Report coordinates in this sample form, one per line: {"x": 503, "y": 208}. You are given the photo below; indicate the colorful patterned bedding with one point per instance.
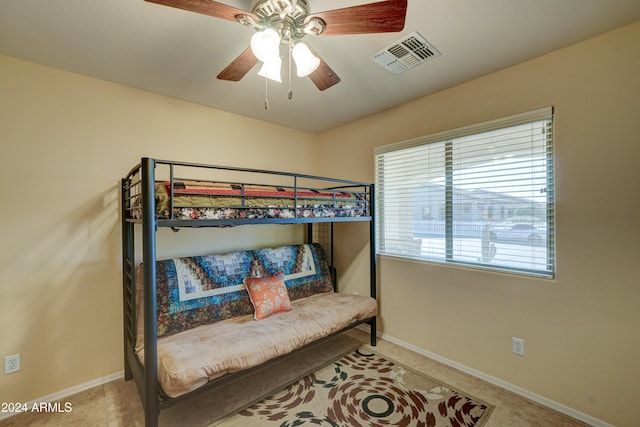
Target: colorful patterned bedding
{"x": 193, "y": 291}
{"x": 214, "y": 200}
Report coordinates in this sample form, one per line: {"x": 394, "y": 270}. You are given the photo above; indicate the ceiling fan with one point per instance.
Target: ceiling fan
{"x": 287, "y": 22}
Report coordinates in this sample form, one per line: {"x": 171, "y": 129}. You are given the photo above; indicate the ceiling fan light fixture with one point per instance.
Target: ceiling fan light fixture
{"x": 306, "y": 61}
{"x": 265, "y": 45}
{"x": 288, "y": 21}
{"x": 272, "y": 69}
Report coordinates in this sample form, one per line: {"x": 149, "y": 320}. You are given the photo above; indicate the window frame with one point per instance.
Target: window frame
{"x": 541, "y": 114}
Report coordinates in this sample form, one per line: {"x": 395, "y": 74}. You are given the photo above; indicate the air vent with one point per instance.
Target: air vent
{"x": 405, "y": 53}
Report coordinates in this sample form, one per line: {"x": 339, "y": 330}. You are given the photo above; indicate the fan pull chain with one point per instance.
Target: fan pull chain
{"x": 266, "y": 93}
{"x": 290, "y": 90}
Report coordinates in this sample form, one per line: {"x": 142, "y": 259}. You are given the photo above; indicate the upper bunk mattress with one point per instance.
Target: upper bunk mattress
{"x": 214, "y": 200}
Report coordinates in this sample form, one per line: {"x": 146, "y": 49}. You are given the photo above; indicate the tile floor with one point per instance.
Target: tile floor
{"x": 117, "y": 403}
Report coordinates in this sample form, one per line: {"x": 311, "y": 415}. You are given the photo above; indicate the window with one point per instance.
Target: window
{"x": 480, "y": 196}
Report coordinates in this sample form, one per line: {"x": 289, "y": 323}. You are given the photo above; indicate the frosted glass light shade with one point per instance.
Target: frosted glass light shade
{"x": 271, "y": 69}
{"x": 306, "y": 62}
{"x": 265, "y": 45}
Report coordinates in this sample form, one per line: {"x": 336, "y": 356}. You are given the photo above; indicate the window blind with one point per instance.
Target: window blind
{"x": 480, "y": 196}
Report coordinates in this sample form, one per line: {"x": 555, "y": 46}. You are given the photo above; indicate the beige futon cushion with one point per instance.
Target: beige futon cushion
{"x": 191, "y": 358}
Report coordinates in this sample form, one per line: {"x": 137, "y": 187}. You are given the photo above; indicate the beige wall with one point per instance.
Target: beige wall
{"x": 581, "y": 330}
{"x": 65, "y": 142}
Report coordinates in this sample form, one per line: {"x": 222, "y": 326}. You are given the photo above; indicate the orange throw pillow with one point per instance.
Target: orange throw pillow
{"x": 268, "y": 295}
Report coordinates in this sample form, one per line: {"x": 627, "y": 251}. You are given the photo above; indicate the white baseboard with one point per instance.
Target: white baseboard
{"x": 495, "y": 381}
{"x": 61, "y": 395}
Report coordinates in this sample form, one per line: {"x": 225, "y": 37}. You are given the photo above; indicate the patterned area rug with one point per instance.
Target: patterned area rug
{"x": 365, "y": 389}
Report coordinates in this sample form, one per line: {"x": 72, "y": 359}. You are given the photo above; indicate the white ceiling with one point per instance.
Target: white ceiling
{"x": 179, "y": 53}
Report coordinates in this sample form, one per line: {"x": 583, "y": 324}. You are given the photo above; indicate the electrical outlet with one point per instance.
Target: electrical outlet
{"x": 517, "y": 346}
{"x": 12, "y": 363}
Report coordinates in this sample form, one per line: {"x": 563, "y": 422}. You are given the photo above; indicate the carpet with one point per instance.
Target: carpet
{"x": 363, "y": 388}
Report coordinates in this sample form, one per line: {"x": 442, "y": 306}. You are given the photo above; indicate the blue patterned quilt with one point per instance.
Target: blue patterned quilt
{"x": 193, "y": 291}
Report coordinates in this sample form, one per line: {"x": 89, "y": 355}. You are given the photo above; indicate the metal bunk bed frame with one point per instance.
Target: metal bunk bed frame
{"x": 143, "y": 176}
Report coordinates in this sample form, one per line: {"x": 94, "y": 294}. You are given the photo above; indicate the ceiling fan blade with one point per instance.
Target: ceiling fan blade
{"x": 323, "y": 77}
{"x": 206, "y": 7}
{"x": 239, "y": 66}
{"x": 382, "y": 17}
